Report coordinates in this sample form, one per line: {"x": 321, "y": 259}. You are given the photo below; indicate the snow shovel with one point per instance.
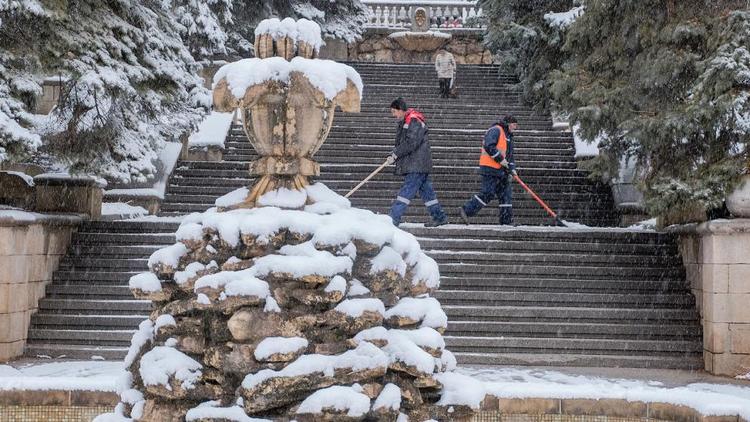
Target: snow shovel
{"x": 539, "y": 200}
{"x": 367, "y": 179}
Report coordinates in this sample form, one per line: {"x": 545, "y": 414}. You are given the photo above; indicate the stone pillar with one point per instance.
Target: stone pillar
{"x": 717, "y": 257}
{"x": 69, "y": 194}
{"x": 30, "y": 251}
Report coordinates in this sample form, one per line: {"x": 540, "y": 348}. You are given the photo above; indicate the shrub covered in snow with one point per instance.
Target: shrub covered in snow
{"x": 129, "y": 72}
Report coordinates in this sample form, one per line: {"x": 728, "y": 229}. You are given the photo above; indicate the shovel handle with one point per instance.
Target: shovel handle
{"x": 367, "y": 179}
{"x": 537, "y": 198}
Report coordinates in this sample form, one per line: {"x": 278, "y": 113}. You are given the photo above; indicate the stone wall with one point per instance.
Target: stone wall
{"x": 375, "y": 46}
{"x": 30, "y": 250}
{"x": 717, "y": 258}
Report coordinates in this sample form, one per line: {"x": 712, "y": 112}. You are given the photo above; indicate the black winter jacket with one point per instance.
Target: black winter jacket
{"x": 412, "y": 149}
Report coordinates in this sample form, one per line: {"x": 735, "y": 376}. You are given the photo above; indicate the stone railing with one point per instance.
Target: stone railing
{"x": 443, "y": 14}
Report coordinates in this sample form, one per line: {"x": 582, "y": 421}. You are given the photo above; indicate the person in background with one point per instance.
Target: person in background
{"x": 497, "y": 167}
{"x": 413, "y": 160}
{"x": 445, "y": 66}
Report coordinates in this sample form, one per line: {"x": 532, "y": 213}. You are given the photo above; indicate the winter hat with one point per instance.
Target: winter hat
{"x": 399, "y": 104}
{"x": 509, "y": 118}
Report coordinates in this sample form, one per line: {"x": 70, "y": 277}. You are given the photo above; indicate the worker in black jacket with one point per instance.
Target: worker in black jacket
{"x": 413, "y": 161}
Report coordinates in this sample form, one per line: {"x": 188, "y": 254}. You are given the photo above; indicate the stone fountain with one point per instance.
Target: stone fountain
{"x": 287, "y": 100}
{"x": 420, "y": 38}
{"x": 286, "y": 303}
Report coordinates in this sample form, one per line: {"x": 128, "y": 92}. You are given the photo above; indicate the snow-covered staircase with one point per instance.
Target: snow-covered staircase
{"x": 541, "y": 296}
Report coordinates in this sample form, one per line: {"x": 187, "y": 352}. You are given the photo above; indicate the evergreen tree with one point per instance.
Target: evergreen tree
{"x": 528, "y": 43}
{"x": 669, "y": 88}
{"x": 130, "y": 72}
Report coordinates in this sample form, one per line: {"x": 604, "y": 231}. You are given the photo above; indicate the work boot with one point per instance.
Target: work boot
{"x": 463, "y": 215}
{"x": 437, "y": 223}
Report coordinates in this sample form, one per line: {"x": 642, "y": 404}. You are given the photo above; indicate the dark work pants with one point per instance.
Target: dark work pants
{"x": 445, "y": 87}
{"x": 413, "y": 183}
{"x": 495, "y": 186}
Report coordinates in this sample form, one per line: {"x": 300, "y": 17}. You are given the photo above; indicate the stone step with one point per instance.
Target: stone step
{"x": 447, "y": 199}
{"x": 500, "y": 245}
{"x": 94, "y": 305}
{"x": 532, "y": 177}
{"x": 91, "y": 276}
{"x": 569, "y": 345}
{"x": 570, "y": 314}
{"x": 534, "y": 256}
{"x": 683, "y": 361}
{"x": 604, "y": 300}
{"x": 530, "y": 283}
{"x": 549, "y": 191}
{"x": 83, "y": 250}
{"x": 102, "y": 322}
{"x": 512, "y": 328}
{"x": 492, "y": 232}
{"x": 559, "y": 270}
{"x": 121, "y": 292}
{"x": 417, "y": 214}
{"x": 98, "y": 337}
{"x": 132, "y": 264}
{"x": 140, "y": 227}
{"x": 123, "y": 238}
{"x": 74, "y": 351}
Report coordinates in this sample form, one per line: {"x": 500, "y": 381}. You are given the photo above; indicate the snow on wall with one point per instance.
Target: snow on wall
{"x": 585, "y": 148}
{"x": 212, "y": 131}
{"x": 563, "y": 20}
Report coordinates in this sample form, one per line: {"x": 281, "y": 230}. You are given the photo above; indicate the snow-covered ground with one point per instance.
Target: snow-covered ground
{"x": 465, "y": 386}
{"x": 122, "y": 210}
{"x": 80, "y": 375}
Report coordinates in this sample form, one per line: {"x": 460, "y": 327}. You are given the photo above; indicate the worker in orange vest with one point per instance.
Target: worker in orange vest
{"x": 496, "y": 166}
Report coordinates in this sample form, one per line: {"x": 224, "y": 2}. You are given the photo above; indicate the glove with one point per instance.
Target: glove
{"x": 504, "y": 163}
{"x": 514, "y": 173}
{"x": 390, "y": 159}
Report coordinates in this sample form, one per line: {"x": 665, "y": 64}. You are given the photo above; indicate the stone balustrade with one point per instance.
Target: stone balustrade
{"x": 443, "y": 14}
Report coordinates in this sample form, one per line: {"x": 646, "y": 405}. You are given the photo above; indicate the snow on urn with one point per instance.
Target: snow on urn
{"x": 287, "y": 100}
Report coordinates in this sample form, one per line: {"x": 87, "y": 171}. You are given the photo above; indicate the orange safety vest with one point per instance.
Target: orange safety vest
{"x": 502, "y": 146}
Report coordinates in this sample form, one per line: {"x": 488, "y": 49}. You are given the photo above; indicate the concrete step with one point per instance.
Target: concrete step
{"x": 123, "y": 238}
{"x": 499, "y": 245}
{"x": 107, "y": 292}
{"x": 685, "y": 361}
{"x": 132, "y": 264}
{"x": 510, "y": 328}
{"x": 91, "y": 276}
{"x": 572, "y": 270}
{"x": 101, "y": 322}
{"x": 91, "y": 306}
{"x": 88, "y": 250}
{"x": 531, "y": 257}
{"x": 494, "y": 232}
{"x": 98, "y": 337}
{"x": 602, "y": 300}
{"x": 570, "y": 314}
{"x": 569, "y": 345}
{"x": 528, "y": 283}
{"x": 74, "y": 351}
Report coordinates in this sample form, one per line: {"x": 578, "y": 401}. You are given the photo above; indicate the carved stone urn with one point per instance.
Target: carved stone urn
{"x": 287, "y": 99}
